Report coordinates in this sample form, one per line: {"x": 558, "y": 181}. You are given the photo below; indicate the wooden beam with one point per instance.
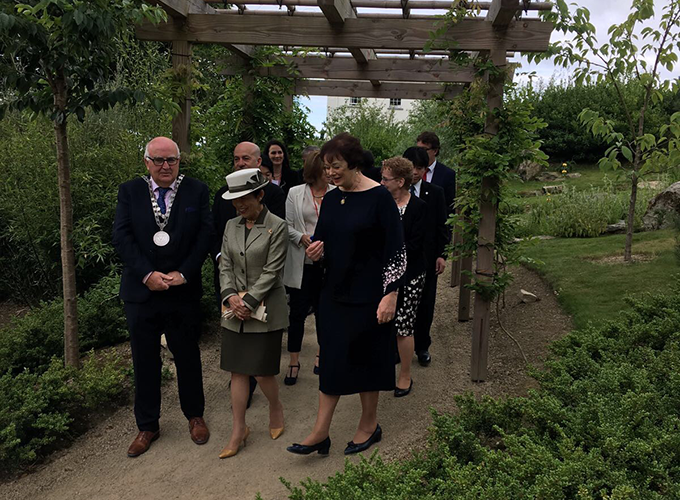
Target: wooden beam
{"x": 245, "y": 52}
{"x": 470, "y": 34}
{"x": 337, "y": 12}
{"x": 366, "y": 89}
{"x": 502, "y": 12}
{"x": 180, "y": 9}
{"x": 409, "y": 70}
{"x": 390, "y": 4}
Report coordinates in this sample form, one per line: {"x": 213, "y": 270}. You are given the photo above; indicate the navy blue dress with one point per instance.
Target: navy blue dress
{"x": 364, "y": 259}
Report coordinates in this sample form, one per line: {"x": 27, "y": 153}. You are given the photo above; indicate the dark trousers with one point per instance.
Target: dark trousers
{"x": 301, "y": 299}
{"x": 421, "y": 336}
{"x": 181, "y": 323}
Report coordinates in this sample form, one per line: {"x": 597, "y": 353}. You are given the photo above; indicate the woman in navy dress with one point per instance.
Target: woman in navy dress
{"x": 359, "y": 240}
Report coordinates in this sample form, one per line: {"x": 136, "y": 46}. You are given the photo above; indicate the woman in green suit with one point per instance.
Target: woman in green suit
{"x": 255, "y": 312}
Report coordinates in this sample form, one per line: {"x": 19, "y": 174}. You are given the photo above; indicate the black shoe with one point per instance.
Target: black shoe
{"x": 302, "y": 449}
{"x": 424, "y": 358}
{"x": 400, "y": 393}
{"x": 253, "y": 386}
{"x": 353, "y": 447}
{"x": 289, "y": 379}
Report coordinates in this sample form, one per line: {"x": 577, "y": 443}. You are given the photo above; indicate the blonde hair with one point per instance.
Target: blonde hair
{"x": 401, "y": 168}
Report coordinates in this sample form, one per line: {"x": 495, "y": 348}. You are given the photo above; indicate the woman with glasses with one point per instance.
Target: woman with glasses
{"x": 282, "y": 175}
{"x": 397, "y": 174}
{"x": 303, "y": 277}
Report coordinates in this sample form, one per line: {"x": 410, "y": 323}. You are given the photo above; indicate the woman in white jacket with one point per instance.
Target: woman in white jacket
{"x": 303, "y": 277}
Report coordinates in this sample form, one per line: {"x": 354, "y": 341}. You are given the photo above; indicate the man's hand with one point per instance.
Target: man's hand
{"x": 158, "y": 282}
{"x": 175, "y": 279}
{"x": 387, "y": 308}
{"x": 315, "y": 251}
{"x": 306, "y": 240}
{"x": 237, "y": 305}
{"x": 440, "y": 265}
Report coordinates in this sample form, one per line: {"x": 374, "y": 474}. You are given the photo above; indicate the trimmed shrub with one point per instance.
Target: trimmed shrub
{"x": 39, "y": 410}
{"x": 604, "y": 424}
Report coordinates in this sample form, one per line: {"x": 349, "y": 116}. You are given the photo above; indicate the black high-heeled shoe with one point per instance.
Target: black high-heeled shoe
{"x": 322, "y": 447}
{"x": 289, "y": 379}
{"x": 353, "y": 447}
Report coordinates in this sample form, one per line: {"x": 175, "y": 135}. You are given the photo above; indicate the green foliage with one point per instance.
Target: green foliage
{"x": 375, "y": 125}
{"x": 581, "y": 213}
{"x": 30, "y": 342}
{"x": 38, "y": 410}
{"x": 603, "y": 425}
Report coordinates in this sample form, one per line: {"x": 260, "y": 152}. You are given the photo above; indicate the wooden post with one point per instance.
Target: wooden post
{"x": 181, "y": 62}
{"x": 248, "y": 115}
{"x": 455, "y": 256}
{"x": 464, "y": 292}
{"x": 288, "y": 103}
{"x": 486, "y": 235}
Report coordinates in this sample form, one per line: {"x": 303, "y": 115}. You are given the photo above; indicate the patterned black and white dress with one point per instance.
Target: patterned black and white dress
{"x": 413, "y": 219}
{"x": 364, "y": 259}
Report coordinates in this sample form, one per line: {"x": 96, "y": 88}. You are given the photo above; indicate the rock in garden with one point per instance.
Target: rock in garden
{"x": 553, "y": 189}
{"x": 527, "y": 297}
{"x": 573, "y": 175}
{"x": 548, "y": 177}
{"x": 528, "y": 170}
{"x": 618, "y": 227}
{"x": 663, "y": 210}
{"x": 650, "y": 185}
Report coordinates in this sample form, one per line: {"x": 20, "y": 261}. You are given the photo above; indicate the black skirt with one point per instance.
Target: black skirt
{"x": 257, "y": 354}
{"x": 356, "y": 353}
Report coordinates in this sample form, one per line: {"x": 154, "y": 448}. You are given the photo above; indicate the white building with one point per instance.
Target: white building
{"x": 401, "y": 107}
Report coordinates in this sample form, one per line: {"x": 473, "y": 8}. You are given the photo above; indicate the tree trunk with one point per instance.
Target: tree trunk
{"x": 68, "y": 258}
{"x": 628, "y": 251}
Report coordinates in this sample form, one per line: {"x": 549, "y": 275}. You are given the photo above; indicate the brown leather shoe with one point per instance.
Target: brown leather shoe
{"x": 142, "y": 443}
{"x": 199, "y": 431}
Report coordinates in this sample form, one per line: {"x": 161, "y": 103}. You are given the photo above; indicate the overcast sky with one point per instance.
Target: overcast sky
{"x": 604, "y": 13}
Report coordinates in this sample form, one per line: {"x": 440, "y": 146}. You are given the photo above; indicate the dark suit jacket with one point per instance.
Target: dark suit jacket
{"x": 414, "y": 222}
{"x": 445, "y": 178}
{"x": 437, "y": 234}
{"x": 191, "y": 234}
{"x": 223, "y": 211}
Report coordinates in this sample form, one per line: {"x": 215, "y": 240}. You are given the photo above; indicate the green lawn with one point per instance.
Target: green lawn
{"x": 592, "y": 291}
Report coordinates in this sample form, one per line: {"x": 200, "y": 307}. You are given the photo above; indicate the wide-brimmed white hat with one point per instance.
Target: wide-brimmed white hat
{"x": 243, "y": 182}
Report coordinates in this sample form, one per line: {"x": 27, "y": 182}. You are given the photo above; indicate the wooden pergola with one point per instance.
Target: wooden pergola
{"x": 369, "y": 48}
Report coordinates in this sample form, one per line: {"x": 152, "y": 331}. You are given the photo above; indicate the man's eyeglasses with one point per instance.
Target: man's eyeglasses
{"x": 158, "y": 161}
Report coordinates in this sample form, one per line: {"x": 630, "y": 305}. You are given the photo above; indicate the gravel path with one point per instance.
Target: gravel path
{"x": 96, "y": 465}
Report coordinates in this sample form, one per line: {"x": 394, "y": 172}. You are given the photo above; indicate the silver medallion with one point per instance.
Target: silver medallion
{"x": 161, "y": 238}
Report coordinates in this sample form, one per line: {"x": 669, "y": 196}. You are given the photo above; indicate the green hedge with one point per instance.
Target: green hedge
{"x": 39, "y": 410}
{"x": 604, "y": 424}
{"x": 30, "y": 342}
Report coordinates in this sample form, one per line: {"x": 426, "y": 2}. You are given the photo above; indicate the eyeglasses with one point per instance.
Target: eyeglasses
{"x": 158, "y": 161}
{"x": 387, "y": 179}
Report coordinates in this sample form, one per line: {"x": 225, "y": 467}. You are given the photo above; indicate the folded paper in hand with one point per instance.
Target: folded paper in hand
{"x": 260, "y": 313}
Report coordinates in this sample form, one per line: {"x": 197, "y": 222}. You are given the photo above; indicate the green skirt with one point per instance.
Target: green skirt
{"x": 257, "y": 354}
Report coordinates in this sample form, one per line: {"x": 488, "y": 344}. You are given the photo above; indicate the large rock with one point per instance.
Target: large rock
{"x": 663, "y": 210}
{"x": 549, "y": 177}
{"x": 553, "y": 189}
{"x": 616, "y": 228}
{"x": 528, "y": 170}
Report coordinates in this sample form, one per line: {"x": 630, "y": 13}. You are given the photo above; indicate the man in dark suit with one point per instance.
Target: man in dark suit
{"x": 437, "y": 173}
{"x": 162, "y": 233}
{"x": 437, "y": 237}
{"x": 246, "y": 155}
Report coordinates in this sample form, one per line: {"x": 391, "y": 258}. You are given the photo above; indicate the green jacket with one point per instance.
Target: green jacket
{"x": 255, "y": 267}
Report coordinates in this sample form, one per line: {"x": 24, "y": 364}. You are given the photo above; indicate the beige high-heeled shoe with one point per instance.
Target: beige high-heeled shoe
{"x": 228, "y": 452}
{"x": 276, "y": 433}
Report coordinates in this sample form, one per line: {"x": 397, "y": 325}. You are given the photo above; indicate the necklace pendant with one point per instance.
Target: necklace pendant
{"x": 342, "y": 201}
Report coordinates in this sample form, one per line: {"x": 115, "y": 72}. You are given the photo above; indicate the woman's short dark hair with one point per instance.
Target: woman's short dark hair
{"x": 418, "y": 156}
{"x": 274, "y": 142}
{"x": 346, "y": 147}
{"x": 313, "y": 168}
{"x": 401, "y": 168}
{"x": 267, "y": 164}
{"x": 431, "y": 139}
{"x": 369, "y": 160}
